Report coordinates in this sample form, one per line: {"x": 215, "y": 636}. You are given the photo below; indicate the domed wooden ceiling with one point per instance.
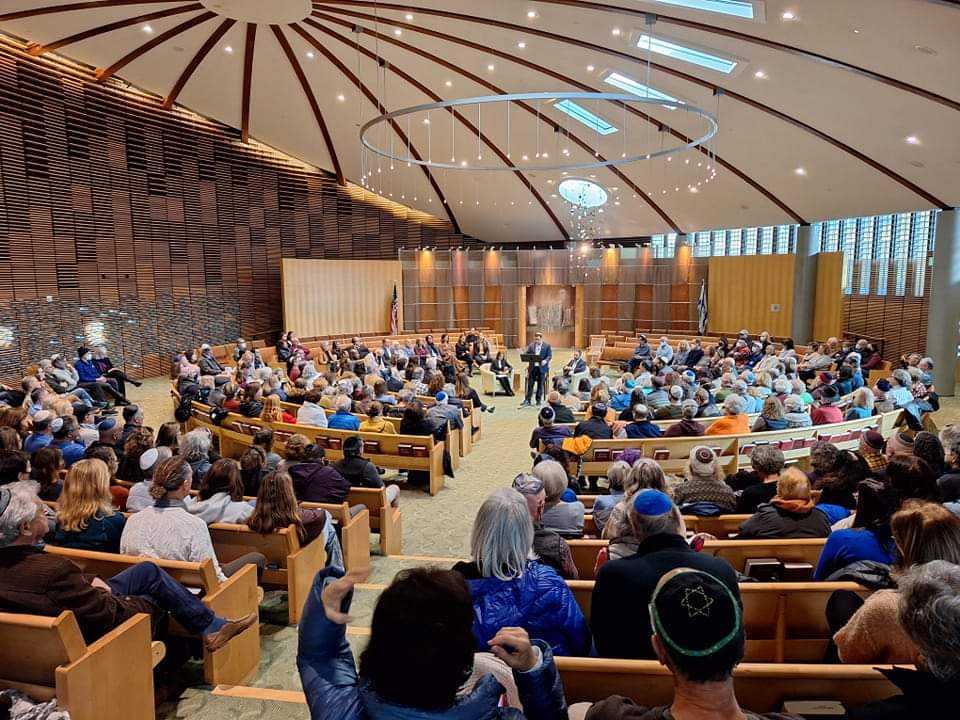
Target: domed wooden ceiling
{"x": 830, "y": 109}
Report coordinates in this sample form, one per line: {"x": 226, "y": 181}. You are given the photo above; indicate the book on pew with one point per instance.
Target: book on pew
{"x": 815, "y": 709}
{"x": 420, "y": 451}
{"x": 763, "y": 569}
{"x": 371, "y": 446}
{"x": 661, "y": 454}
{"x": 797, "y": 572}
{"x": 615, "y": 454}
{"x": 405, "y": 449}
{"x": 334, "y": 443}
{"x": 601, "y": 454}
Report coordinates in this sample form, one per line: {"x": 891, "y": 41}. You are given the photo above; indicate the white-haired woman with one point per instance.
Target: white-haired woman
{"x": 564, "y": 518}
{"x": 796, "y": 412}
{"x": 861, "y": 406}
{"x": 602, "y": 507}
{"x": 646, "y": 474}
{"x": 195, "y": 449}
{"x": 511, "y": 588}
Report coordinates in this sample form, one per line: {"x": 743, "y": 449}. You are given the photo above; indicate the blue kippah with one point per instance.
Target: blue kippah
{"x": 107, "y": 424}
{"x": 652, "y": 502}
{"x": 569, "y": 496}
{"x": 440, "y": 396}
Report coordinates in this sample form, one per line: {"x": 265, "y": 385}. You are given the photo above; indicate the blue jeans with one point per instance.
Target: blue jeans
{"x": 147, "y": 580}
{"x": 82, "y": 395}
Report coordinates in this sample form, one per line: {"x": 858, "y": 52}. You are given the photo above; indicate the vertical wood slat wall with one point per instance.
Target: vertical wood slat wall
{"x": 156, "y": 230}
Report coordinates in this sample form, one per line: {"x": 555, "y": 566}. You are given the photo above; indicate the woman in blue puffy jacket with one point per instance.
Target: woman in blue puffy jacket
{"x": 510, "y": 588}
{"x": 420, "y": 654}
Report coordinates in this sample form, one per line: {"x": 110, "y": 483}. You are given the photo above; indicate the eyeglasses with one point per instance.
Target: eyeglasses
{"x": 527, "y": 484}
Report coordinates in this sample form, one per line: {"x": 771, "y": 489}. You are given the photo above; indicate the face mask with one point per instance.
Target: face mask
{"x": 87, "y": 357}
{"x": 243, "y": 346}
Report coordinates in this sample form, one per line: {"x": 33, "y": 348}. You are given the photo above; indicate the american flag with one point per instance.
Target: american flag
{"x": 394, "y": 312}
{"x": 702, "y": 307}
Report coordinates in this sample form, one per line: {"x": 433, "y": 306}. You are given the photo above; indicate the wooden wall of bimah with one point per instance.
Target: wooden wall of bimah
{"x": 152, "y": 230}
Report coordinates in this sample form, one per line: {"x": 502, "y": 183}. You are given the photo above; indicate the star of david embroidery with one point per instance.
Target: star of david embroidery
{"x": 696, "y": 602}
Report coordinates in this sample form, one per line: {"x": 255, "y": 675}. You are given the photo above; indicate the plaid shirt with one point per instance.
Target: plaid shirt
{"x": 875, "y": 461}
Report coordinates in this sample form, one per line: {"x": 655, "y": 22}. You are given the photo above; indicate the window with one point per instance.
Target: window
{"x": 884, "y": 234}
{"x": 901, "y": 242}
{"x": 848, "y": 239}
{"x": 918, "y": 251}
{"x": 630, "y": 85}
{"x": 702, "y": 58}
{"x": 736, "y": 8}
{"x": 581, "y": 114}
{"x": 865, "y": 241}
{"x": 766, "y": 241}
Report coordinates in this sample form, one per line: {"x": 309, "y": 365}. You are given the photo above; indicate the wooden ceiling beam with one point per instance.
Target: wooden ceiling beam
{"x": 196, "y": 60}
{"x": 106, "y": 73}
{"x": 312, "y": 99}
{"x": 713, "y": 87}
{"x": 471, "y": 128}
{"x": 69, "y": 7}
{"x": 246, "y": 90}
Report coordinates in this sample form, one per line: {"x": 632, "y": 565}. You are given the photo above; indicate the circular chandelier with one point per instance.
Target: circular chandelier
{"x": 607, "y": 144}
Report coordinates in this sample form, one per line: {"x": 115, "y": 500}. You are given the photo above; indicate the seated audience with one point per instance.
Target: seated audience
{"x": 45, "y": 466}
{"x": 871, "y": 449}
{"x": 195, "y": 449}
{"x": 511, "y": 590}
{"x": 168, "y": 436}
{"x": 630, "y": 582}
{"x": 65, "y": 439}
{"x": 311, "y": 412}
{"x": 41, "y": 435}
{"x": 565, "y": 518}
{"x": 687, "y": 426}
{"x": 263, "y": 439}
{"x": 868, "y": 539}
{"x": 252, "y": 403}
{"x": 771, "y": 416}
{"x": 140, "y": 497}
{"x": 41, "y": 583}
{"x": 376, "y": 422}
{"x": 314, "y": 479}
{"x": 791, "y": 513}
{"x": 642, "y": 427}
{"x": 167, "y": 530}
{"x": 911, "y": 478}
{"x": 358, "y": 471}
{"x": 564, "y": 412}
{"x": 766, "y": 462}
{"x": 86, "y": 418}
{"x": 220, "y": 499}
{"x": 552, "y": 549}
{"x": 595, "y": 427}
{"x": 86, "y": 518}
{"x": 949, "y": 482}
{"x": 547, "y": 431}
{"x": 704, "y": 489}
{"x": 733, "y": 422}
{"x": 343, "y": 418}
{"x": 604, "y": 504}
{"x": 273, "y": 411}
{"x": 276, "y": 508}
{"x": 672, "y": 410}
{"x": 421, "y": 628}
{"x": 645, "y": 474}
{"x": 826, "y": 412}
{"x": 928, "y": 613}
{"x": 796, "y": 413}
{"x": 137, "y": 443}
{"x": 861, "y": 405}
{"x": 923, "y": 532}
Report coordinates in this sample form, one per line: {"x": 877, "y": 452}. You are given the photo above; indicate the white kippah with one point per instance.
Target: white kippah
{"x": 56, "y": 424}
{"x": 148, "y": 459}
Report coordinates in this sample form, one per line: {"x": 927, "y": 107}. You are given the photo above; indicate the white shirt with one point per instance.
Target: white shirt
{"x": 311, "y": 414}
{"x": 169, "y": 533}
{"x": 140, "y": 497}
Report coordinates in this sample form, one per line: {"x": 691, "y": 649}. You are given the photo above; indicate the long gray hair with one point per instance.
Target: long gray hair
{"x": 502, "y": 539}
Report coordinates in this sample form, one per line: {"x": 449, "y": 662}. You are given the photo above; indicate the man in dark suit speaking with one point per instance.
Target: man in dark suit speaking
{"x": 537, "y": 372}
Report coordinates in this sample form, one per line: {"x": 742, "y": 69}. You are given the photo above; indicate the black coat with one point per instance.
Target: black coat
{"x": 562, "y": 414}
{"x": 317, "y": 482}
{"x": 618, "y": 611}
{"x": 594, "y": 428}
{"x": 771, "y": 521}
{"x": 924, "y": 696}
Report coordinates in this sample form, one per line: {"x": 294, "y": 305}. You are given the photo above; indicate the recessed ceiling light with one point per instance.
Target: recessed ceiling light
{"x": 521, "y": 45}
{"x": 310, "y": 54}
{"x": 449, "y": 83}
{"x": 463, "y": 163}
{"x": 228, "y": 49}
{"x": 912, "y": 140}
{"x": 490, "y": 68}
{"x": 800, "y": 171}
{"x": 398, "y": 32}
{"x": 531, "y": 14}
{"x": 147, "y": 29}
{"x": 549, "y": 182}
{"x": 525, "y": 157}
{"x": 590, "y": 68}
{"x": 788, "y": 15}
{"x": 426, "y": 121}
{"x": 760, "y": 75}
{"x": 856, "y": 31}
{"x": 341, "y": 97}
{"x": 616, "y": 31}
{"x": 408, "y": 16}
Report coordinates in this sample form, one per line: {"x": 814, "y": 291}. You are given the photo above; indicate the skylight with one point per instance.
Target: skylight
{"x": 680, "y": 52}
{"x": 581, "y": 114}
{"x": 630, "y": 85}
{"x": 737, "y": 8}
{"x": 582, "y": 193}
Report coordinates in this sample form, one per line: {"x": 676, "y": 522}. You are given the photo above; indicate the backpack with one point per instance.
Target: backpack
{"x": 184, "y": 409}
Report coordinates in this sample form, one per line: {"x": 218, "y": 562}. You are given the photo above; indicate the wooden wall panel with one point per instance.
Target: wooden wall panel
{"x": 326, "y": 297}
{"x": 610, "y": 308}
{"x": 828, "y": 303}
{"x": 156, "y": 230}
{"x": 644, "y": 306}
{"x": 741, "y": 291}
{"x": 491, "y": 308}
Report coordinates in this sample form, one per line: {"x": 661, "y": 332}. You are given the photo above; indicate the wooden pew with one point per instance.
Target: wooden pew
{"x": 109, "y": 679}
{"x": 720, "y": 526}
{"x": 759, "y": 687}
{"x": 784, "y": 622}
{"x": 736, "y": 552}
{"x": 384, "y": 518}
{"x": 354, "y": 533}
{"x": 291, "y": 565}
{"x": 235, "y": 598}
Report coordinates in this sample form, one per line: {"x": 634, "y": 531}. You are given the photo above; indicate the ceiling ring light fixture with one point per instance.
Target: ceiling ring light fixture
{"x": 569, "y": 103}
